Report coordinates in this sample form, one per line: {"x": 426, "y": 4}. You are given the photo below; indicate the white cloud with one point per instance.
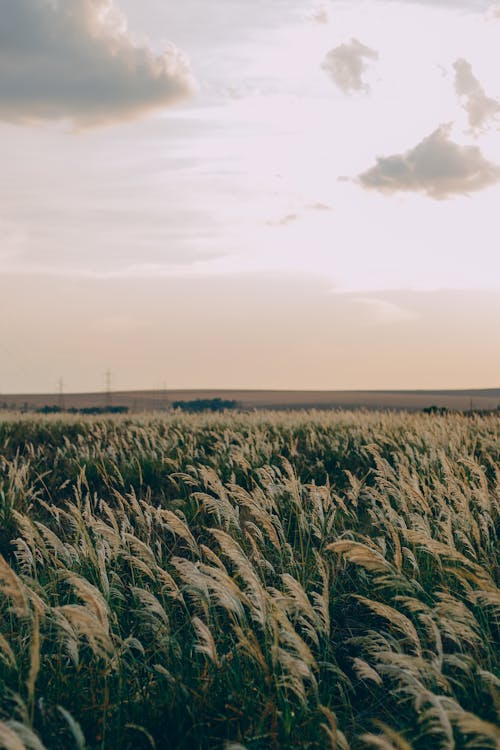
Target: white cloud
{"x": 346, "y": 64}
{"x": 385, "y": 312}
{"x": 437, "y": 166}
{"x": 76, "y": 60}
{"x": 479, "y": 107}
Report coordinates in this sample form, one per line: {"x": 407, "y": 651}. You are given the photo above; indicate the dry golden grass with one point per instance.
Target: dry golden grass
{"x": 250, "y": 581}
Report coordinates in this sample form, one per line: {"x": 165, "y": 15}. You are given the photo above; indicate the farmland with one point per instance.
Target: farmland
{"x": 259, "y": 581}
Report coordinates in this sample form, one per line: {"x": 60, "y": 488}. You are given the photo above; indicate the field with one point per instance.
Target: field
{"x": 137, "y": 401}
{"x": 259, "y": 581}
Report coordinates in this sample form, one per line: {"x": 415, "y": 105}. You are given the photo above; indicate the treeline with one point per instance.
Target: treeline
{"x": 205, "y": 404}
{"x": 442, "y": 410}
{"x": 84, "y": 410}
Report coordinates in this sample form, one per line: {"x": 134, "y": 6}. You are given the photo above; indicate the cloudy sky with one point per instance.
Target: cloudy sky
{"x": 265, "y": 194}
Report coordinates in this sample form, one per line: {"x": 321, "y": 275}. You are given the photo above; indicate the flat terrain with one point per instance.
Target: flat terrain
{"x": 461, "y": 400}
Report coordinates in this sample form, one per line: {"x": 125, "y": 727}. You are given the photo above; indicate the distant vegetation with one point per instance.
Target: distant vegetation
{"x": 436, "y": 410}
{"x": 255, "y": 581}
{"x": 205, "y": 404}
{"x": 95, "y": 410}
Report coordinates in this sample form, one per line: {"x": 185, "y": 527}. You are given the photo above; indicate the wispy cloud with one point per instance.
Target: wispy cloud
{"x": 318, "y": 206}
{"x": 437, "y": 166}
{"x": 284, "y": 221}
{"x": 479, "y": 107}
{"x": 320, "y": 15}
{"x": 76, "y": 60}
{"x": 385, "y": 312}
{"x": 346, "y": 65}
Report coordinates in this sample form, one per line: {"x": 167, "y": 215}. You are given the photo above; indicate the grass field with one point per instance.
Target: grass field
{"x": 259, "y": 581}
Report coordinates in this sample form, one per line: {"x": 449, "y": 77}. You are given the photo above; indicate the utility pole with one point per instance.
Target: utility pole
{"x": 60, "y": 398}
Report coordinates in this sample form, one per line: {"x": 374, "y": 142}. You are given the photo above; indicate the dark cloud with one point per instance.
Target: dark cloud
{"x": 75, "y": 59}
{"x": 346, "y": 64}
{"x": 436, "y": 166}
{"x": 479, "y": 107}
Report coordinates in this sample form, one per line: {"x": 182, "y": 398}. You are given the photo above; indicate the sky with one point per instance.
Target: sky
{"x": 283, "y": 194}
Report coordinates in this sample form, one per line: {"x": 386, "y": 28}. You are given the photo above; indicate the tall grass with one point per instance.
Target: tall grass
{"x": 304, "y": 580}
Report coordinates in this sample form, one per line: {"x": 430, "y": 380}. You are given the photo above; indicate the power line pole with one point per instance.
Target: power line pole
{"x": 60, "y": 398}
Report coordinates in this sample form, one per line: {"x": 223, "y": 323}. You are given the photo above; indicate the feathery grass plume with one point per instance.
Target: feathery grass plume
{"x": 434, "y": 715}
{"x": 411, "y": 670}
{"x": 195, "y": 584}
{"x": 224, "y": 591}
{"x": 177, "y": 527}
{"x": 480, "y": 734}
{"x": 151, "y": 607}
{"x": 139, "y": 566}
{"x": 34, "y": 662}
{"x": 217, "y": 504}
{"x": 432, "y": 629}
{"x": 292, "y": 483}
{"x": 85, "y": 623}
{"x": 322, "y": 599}
{"x": 456, "y": 620}
{"x": 361, "y": 554}
{"x": 9, "y": 739}
{"x": 295, "y": 659}
{"x": 251, "y": 511}
{"x": 25, "y": 558}
{"x": 17, "y": 736}
{"x": 205, "y": 643}
{"x": 335, "y": 737}
{"x": 67, "y": 636}
{"x": 389, "y": 739}
{"x": 295, "y": 675}
{"x": 74, "y": 728}
{"x": 140, "y": 549}
{"x": 486, "y": 599}
{"x": 353, "y": 492}
{"x": 210, "y": 555}
{"x": 365, "y": 672}
{"x": 253, "y": 588}
{"x": 54, "y": 544}
{"x": 400, "y": 621}
{"x": 91, "y": 596}
{"x": 169, "y": 586}
{"x": 14, "y": 589}
{"x": 439, "y": 550}
{"x": 110, "y": 515}
{"x": 299, "y": 598}
{"x": 107, "y": 533}
{"x": 248, "y": 644}
{"x": 6, "y": 653}
{"x": 302, "y": 624}
{"x": 482, "y": 494}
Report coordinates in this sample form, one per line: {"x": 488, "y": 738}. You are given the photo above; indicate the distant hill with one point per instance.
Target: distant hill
{"x": 462, "y": 400}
